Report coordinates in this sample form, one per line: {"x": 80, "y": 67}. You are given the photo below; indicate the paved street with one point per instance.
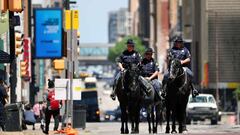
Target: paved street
{"x": 113, "y": 128}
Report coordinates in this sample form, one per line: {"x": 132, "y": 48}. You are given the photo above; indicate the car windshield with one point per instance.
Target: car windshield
{"x": 90, "y": 85}
{"x": 89, "y": 98}
{"x": 211, "y": 100}
{"x": 198, "y": 99}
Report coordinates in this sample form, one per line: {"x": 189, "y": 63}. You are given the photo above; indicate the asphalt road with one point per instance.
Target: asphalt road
{"x": 114, "y": 128}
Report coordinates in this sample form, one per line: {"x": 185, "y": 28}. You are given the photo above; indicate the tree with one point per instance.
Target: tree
{"x": 237, "y": 92}
{"x": 121, "y": 46}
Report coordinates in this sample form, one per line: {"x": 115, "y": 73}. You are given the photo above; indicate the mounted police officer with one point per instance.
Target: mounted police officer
{"x": 150, "y": 71}
{"x": 126, "y": 58}
{"x": 182, "y": 53}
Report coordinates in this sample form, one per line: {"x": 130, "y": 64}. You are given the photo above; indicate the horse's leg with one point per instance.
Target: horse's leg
{"x": 137, "y": 119}
{"x": 157, "y": 117}
{"x": 131, "y": 115}
{"x": 149, "y": 120}
{"x": 126, "y": 124}
{"x": 168, "y": 119}
{"x": 174, "y": 121}
{"x": 123, "y": 117}
{"x": 182, "y": 117}
{"x": 153, "y": 118}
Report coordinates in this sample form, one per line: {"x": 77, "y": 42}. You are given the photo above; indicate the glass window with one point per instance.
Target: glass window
{"x": 198, "y": 99}
{"x": 211, "y": 100}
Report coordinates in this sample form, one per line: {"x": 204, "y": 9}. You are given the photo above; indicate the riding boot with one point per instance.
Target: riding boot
{"x": 194, "y": 91}
{"x": 164, "y": 91}
{"x": 113, "y": 94}
{"x": 147, "y": 86}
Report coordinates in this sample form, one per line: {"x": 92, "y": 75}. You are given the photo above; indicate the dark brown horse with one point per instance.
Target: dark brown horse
{"x": 178, "y": 90}
{"x": 129, "y": 97}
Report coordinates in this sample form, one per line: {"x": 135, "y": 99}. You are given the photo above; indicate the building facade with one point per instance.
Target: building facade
{"x": 118, "y": 25}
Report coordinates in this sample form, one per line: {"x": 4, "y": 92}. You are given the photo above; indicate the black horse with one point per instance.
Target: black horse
{"x": 129, "y": 97}
{"x": 153, "y": 105}
{"x": 178, "y": 90}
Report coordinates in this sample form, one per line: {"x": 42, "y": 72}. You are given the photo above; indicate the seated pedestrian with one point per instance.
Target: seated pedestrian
{"x": 28, "y": 116}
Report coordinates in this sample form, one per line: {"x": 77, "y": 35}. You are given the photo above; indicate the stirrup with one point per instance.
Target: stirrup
{"x": 113, "y": 96}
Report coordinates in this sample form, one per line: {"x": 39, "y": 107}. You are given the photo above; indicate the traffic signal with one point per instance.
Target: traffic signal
{"x": 78, "y": 34}
{"x": 59, "y": 64}
{"x": 18, "y": 43}
{"x": 24, "y": 68}
{"x": 15, "y": 5}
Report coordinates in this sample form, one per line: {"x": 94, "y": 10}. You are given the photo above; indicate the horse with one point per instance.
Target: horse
{"x": 153, "y": 105}
{"x": 129, "y": 96}
{"x": 178, "y": 91}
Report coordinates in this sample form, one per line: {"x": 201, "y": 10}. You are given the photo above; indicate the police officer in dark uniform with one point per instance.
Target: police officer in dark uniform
{"x": 150, "y": 70}
{"x": 128, "y": 56}
{"x": 182, "y": 53}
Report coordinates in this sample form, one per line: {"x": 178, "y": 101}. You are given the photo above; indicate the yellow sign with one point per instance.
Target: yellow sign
{"x": 75, "y": 18}
{"x": 67, "y": 19}
{"x": 233, "y": 85}
{"x": 59, "y": 64}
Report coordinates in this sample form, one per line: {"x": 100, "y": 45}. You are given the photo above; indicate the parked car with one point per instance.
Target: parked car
{"x": 202, "y": 107}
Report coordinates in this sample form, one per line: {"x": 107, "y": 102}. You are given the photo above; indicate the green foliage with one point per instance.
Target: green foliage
{"x": 121, "y": 46}
{"x": 237, "y": 92}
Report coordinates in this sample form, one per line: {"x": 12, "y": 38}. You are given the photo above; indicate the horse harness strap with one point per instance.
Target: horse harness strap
{"x": 185, "y": 82}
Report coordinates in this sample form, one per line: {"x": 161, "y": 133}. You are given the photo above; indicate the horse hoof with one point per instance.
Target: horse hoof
{"x": 174, "y": 132}
{"x": 155, "y": 130}
{"x": 126, "y": 131}
{"x": 167, "y": 132}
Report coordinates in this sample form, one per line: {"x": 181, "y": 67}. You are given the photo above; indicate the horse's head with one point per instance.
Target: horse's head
{"x": 132, "y": 75}
{"x": 175, "y": 68}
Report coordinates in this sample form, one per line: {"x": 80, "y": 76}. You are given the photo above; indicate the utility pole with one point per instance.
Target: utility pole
{"x": 13, "y": 66}
{"x": 69, "y": 105}
{"x": 32, "y": 81}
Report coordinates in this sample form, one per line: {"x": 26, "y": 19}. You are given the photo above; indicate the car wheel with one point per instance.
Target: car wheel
{"x": 214, "y": 121}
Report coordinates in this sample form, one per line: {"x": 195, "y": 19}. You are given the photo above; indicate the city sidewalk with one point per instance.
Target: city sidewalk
{"x": 38, "y": 131}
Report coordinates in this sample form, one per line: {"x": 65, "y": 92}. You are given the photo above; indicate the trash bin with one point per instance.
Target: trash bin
{"x": 79, "y": 116}
{"x": 13, "y": 117}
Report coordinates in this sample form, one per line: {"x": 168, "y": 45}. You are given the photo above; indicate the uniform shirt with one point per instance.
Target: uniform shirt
{"x": 129, "y": 57}
{"x": 148, "y": 67}
{"x": 181, "y": 54}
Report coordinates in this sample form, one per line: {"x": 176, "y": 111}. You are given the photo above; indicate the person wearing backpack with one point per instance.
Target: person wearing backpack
{"x": 52, "y": 109}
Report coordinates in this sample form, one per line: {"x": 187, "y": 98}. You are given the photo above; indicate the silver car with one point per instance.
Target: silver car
{"x": 202, "y": 107}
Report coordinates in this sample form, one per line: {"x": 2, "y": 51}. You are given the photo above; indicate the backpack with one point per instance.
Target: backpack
{"x": 54, "y": 104}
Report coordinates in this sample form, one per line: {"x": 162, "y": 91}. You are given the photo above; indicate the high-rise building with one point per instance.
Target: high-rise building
{"x": 112, "y": 27}
{"x": 214, "y": 47}
{"x": 118, "y": 25}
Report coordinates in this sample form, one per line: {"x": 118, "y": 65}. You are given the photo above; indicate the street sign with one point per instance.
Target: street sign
{"x": 48, "y": 33}
{"x": 67, "y": 19}
{"x": 62, "y": 86}
{"x": 71, "y": 21}
{"x": 75, "y": 19}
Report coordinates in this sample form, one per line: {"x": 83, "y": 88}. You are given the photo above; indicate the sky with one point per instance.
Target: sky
{"x": 94, "y": 18}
